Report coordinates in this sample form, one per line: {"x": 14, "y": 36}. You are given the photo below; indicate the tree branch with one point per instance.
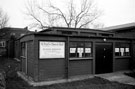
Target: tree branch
{"x": 86, "y": 23}
{"x": 3, "y": 19}
{"x": 73, "y": 18}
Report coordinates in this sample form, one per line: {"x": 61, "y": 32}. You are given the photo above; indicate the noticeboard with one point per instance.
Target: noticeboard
{"x": 48, "y": 49}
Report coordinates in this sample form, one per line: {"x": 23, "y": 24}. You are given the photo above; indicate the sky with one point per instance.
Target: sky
{"x": 115, "y": 12}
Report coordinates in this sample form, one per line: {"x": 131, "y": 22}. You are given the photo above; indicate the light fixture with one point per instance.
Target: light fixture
{"x": 104, "y": 39}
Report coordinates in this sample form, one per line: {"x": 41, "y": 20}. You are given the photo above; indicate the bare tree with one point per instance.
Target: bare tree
{"x": 73, "y": 16}
{"x": 3, "y": 19}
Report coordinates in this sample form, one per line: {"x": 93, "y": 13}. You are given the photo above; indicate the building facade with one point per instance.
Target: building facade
{"x": 61, "y": 53}
{"x": 125, "y": 31}
{"x": 7, "y": 40}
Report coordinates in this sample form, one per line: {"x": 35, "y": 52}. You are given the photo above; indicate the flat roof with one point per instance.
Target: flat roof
{"x": 78, "y": 36}
{"x": 74, "y": 29}
{"x": 43, "y": 32}
{"x": 120, "y": 27}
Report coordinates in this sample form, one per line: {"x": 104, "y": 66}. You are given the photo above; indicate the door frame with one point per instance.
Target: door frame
{"x": 26, "y": 59}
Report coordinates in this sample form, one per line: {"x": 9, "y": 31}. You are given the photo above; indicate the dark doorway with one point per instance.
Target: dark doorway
{"x": 104, "y": 58}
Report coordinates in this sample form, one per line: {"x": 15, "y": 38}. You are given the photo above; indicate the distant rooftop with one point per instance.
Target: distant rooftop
{"x": 120, "y": 27}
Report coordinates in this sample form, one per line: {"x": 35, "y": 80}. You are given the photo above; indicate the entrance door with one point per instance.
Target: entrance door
{"x": 104, "y": 58}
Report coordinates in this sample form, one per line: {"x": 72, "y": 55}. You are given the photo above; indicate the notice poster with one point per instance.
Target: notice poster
{"x": 122, "y": 51}
{"x": 72, "y": 50}
{"x": 49, "y": 49}
{"x": 117, "y": 50}
{"x": 87, "y": 50}
{"x": 127, "y": 50}
{"x": 80, "y": 51}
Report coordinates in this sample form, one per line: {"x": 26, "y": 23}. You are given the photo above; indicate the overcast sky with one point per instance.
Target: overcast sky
{"x": 116, "y": 12}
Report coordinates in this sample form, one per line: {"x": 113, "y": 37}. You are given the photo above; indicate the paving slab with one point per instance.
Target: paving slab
{"x": 118, "y": 77}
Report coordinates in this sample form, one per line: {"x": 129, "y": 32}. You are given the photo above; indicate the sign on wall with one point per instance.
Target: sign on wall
{"x": 116, "y": 49}
{"x": 127, "y": 49}
{"x": 122, "y": 51}
{"x": 87, "y": 50}
{"x": 80, "y": 51}
{"x": 49, "y": 49}
{"x": 72, "y": 50}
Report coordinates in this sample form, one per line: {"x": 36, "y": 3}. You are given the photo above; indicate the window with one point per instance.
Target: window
{"x": 80, "y": 49}
{"x": 23, "y": 49}
{"x": 2, "y": 44}
{"x": 66, "y": 32}
{"x": 107, "y": 35}
{"x": 12, "y": 34}
{"x": 122, "y": 49}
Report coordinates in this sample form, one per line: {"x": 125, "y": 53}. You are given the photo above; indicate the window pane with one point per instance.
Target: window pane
{"x": 80, "y": 49}
{"x": 72, "y": 49}
{"x": 122, "y": 49}
{"x": 80, "y": 52}
{"x": 80, "y": 44}
{"x": 127, "y": 53}
{"x": 1, "y": 44}
{"x": 117, "y": 52}
{"x": 23, "y": 49}
{"x": 73, "y": 44}
{"x": 72, "y": 52}
{"x": 88, "y": 52}
{"x": 87, "y": 45}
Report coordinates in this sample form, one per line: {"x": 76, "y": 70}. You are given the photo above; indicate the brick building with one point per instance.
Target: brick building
{"x": 7, "y": 39}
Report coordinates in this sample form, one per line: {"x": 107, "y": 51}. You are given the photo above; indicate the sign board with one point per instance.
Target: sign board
{"x": 48, "y": 49}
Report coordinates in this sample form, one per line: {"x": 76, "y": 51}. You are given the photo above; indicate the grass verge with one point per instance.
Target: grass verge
{"x": 10, "y": 66}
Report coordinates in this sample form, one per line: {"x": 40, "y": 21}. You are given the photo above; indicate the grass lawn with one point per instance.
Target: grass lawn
{"x": 14, "y": 82}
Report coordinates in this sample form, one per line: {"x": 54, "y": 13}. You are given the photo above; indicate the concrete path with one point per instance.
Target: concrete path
{"x": 118, "y": 77}
{"x": 115, "y": 76}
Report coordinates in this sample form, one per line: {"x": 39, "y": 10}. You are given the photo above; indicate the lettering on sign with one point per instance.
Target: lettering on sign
{"x": 51, "y": 49}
